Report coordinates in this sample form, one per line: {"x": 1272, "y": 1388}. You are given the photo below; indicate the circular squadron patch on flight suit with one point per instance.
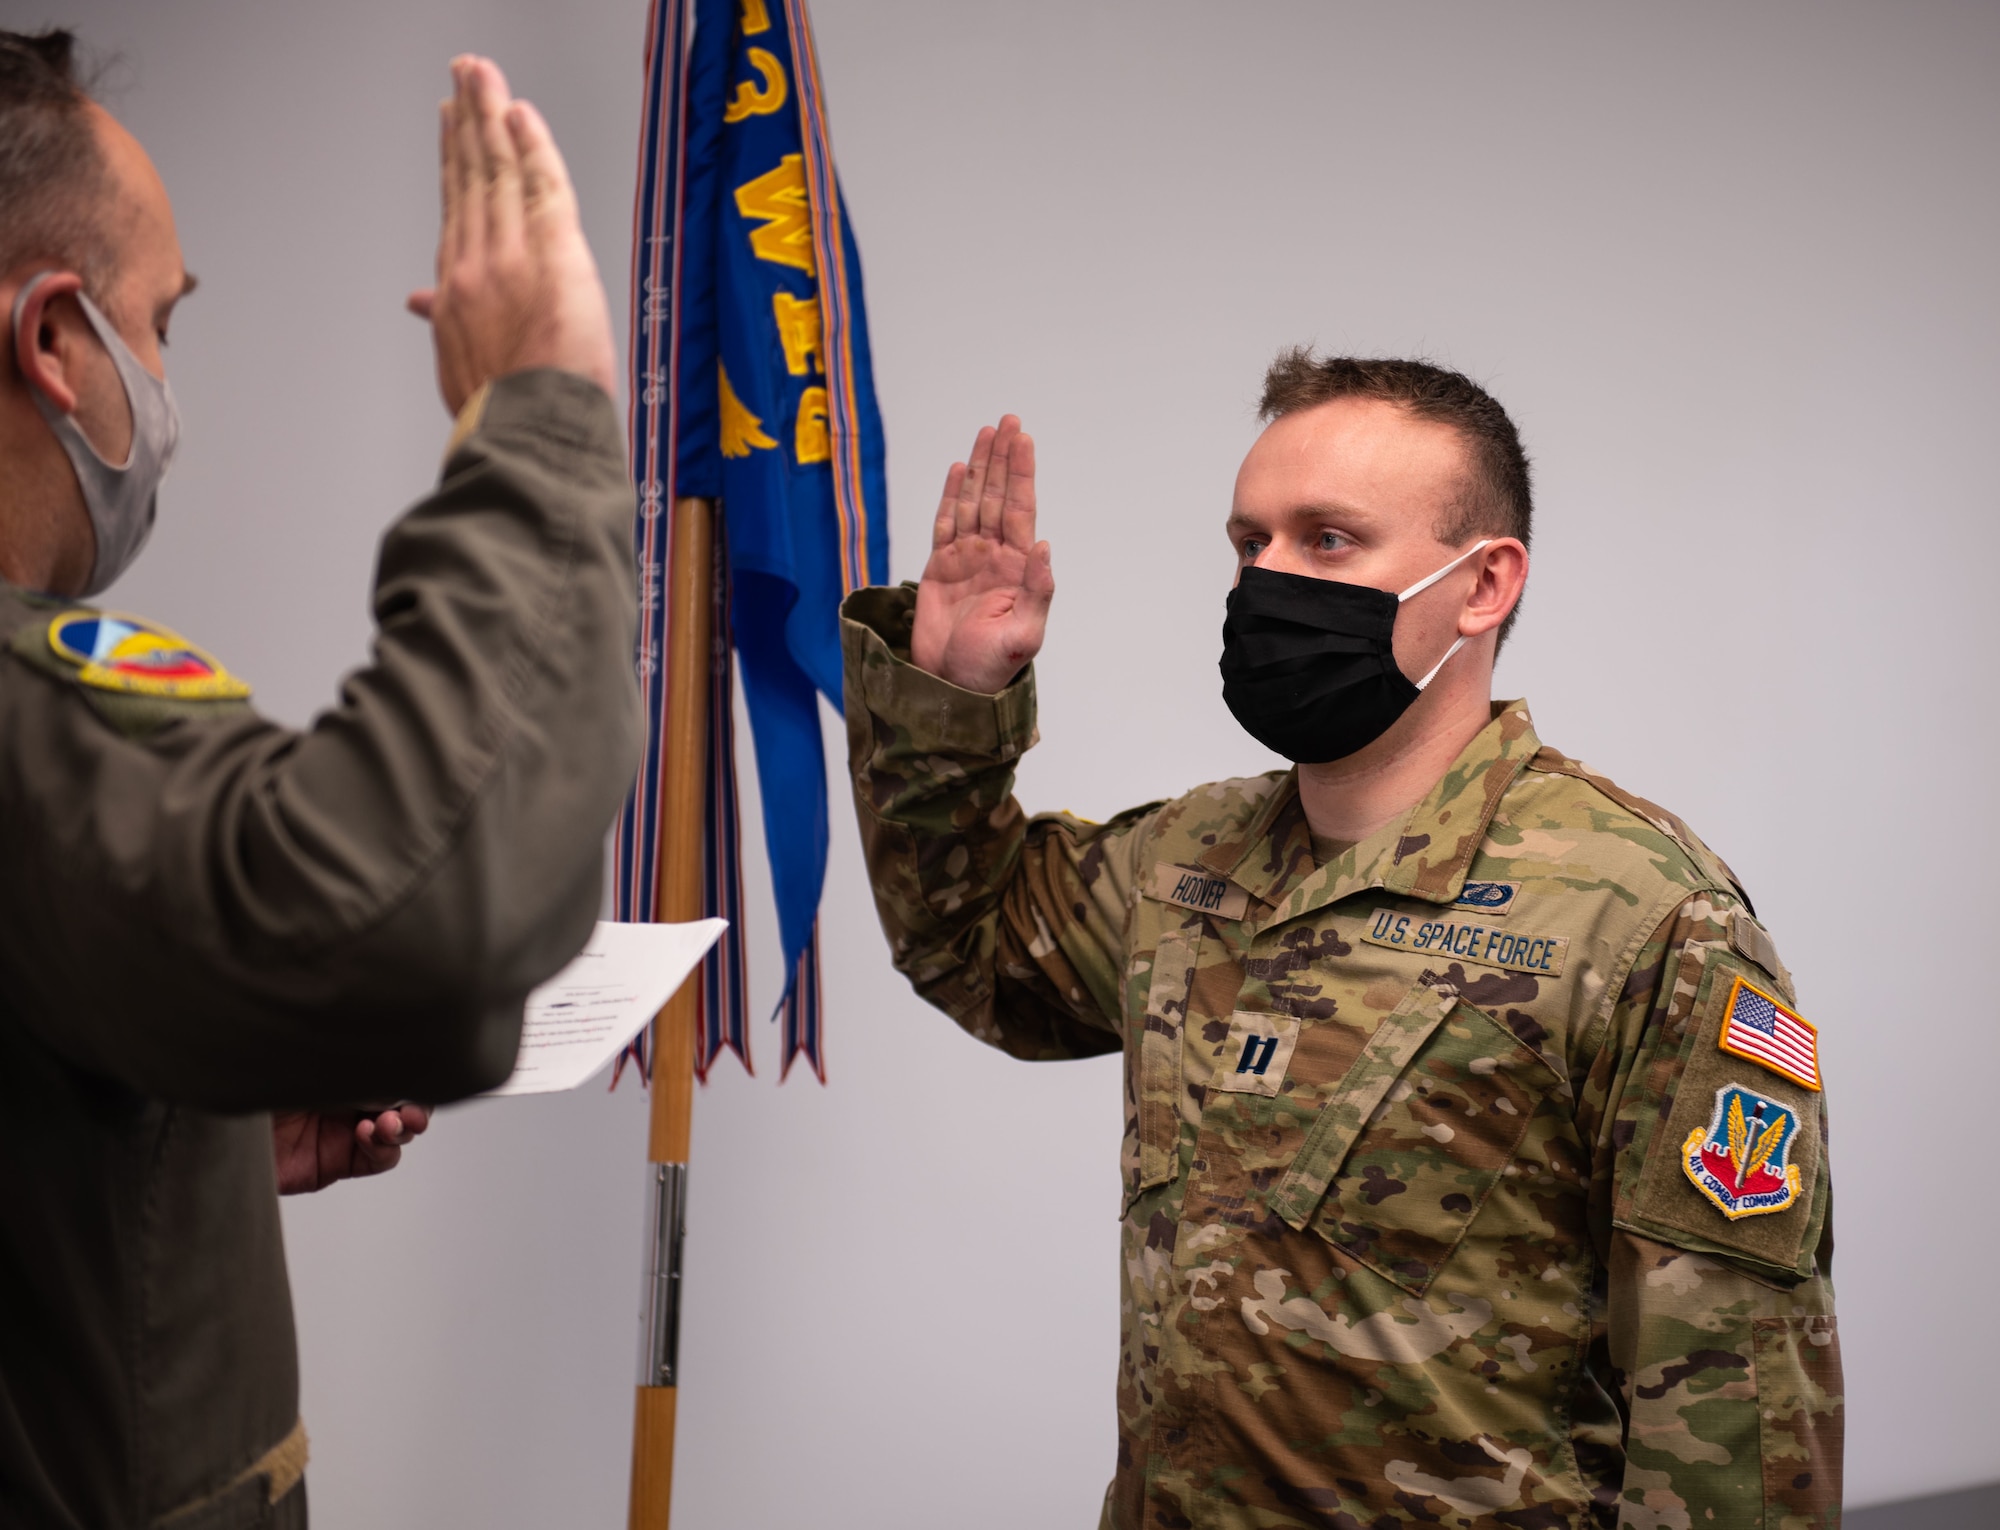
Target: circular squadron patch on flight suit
{"x": 130, "y": 654}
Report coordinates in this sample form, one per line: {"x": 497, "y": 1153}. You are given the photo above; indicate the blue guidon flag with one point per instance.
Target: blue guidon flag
{"x": 751, "y": 385}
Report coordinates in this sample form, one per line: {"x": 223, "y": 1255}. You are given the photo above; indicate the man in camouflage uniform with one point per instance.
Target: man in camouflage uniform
{"x": 1475, "y": 1159}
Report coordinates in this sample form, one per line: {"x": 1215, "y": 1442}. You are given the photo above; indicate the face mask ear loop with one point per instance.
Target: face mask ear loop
{"x": 1441, "y": 663}
{"x": 105, "y": 336}
{"x": 1424, "y": 584}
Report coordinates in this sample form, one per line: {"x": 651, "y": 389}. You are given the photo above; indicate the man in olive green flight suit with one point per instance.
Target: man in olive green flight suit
{"x": 1475, "y": 1158}
{"x": 204, "y": 916}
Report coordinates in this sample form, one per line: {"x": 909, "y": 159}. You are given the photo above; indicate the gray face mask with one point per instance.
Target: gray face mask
{"x": 120, "y": 499}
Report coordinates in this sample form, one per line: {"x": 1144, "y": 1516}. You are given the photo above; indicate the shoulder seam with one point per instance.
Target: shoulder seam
{"x": 1712, "y": 870}
{"x": 1643, "y": 931}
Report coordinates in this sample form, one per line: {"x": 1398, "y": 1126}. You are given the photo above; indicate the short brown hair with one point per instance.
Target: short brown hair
{"x": 52, "y": 173}
{"x": 1497, "y": 498}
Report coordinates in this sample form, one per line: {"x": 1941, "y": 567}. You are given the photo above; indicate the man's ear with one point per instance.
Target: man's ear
{"x": 45, "y": 344}
{"x": 1502, "y": 569}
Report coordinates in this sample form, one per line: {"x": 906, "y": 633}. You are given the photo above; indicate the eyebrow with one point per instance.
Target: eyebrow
{"x": 1294, "y": 513}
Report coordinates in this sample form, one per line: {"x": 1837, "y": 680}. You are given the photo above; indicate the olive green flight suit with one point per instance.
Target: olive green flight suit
{"x": 204, "y": 915}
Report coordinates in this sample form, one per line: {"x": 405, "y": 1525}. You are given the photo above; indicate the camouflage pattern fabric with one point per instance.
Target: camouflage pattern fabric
{"x": 1410, "y": 1237}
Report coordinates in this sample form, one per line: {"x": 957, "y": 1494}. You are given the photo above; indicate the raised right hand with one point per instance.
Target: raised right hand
{"x": 983, "y": 603}
{"x": 516, "y": 284}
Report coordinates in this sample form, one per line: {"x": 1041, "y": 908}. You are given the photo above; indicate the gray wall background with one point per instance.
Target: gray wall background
{"x": 1731, "y": 266}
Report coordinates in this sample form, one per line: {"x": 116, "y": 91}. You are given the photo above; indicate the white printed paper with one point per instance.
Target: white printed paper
{"x": 582, "y": 1017}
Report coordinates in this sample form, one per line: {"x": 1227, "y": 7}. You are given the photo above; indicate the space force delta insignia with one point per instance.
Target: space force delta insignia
{"x": 1741, "y": 1161}
{"x": 1493, "y": 899}
{"x": 137, "y": 657}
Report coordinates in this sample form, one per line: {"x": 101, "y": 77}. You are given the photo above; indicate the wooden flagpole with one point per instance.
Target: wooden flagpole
{"x": 683, "y": 807}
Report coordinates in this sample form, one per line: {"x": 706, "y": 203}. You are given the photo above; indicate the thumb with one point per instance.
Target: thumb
{"x": 420, "y": 301}
{"x": 1039, "y": 579}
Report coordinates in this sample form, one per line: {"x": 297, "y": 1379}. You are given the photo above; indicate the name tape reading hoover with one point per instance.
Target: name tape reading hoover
{"x": 1201, "y": 891}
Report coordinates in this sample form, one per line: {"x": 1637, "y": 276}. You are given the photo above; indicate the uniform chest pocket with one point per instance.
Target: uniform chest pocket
{"x": 1153, "y": 1082}
{"x": 1407, "y": 1149}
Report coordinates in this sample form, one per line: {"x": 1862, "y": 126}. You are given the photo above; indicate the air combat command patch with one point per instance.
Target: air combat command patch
{"x": 1741, "y": 1160}
{"x": 138, "y": 657}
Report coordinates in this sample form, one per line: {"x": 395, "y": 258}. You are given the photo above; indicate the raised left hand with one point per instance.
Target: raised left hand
{"x": 315, "y": 1148}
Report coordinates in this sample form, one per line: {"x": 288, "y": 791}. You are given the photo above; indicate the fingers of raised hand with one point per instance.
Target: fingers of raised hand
{"x": 544, "y": 175}
{"x": 945, "y": 526}
{"x": 500, "y": 160}
{"x": 468, "y": 160}
{"x": 1017, "y": 510}
{"x": 448, "y": 177}
{"x": 993, "y": 492}
{"x": 974, "y": 483}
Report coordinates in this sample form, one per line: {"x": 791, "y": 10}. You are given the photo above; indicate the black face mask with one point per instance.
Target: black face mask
{"x": 1309, "y": 665}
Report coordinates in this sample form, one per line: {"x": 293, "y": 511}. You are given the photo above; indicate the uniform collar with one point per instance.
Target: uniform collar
{"x": 1424, "y": 855}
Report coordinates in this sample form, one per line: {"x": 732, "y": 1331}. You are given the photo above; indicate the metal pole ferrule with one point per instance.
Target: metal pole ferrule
{"x": 660, "y": 1299}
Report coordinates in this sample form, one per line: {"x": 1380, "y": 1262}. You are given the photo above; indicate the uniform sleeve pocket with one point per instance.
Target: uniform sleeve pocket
{"x": 1802, "y": 1414}
{"x": 1422, "y": 1128}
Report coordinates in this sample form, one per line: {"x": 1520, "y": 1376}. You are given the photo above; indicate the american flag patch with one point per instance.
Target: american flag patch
{"x": 1757, "y": 1027}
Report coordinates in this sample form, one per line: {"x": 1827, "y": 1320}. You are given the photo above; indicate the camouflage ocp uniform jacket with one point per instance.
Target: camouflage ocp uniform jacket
{"x": 1444, "y": 1203}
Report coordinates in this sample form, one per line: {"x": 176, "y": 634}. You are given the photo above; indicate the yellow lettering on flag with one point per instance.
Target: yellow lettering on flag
{"x": 753, "y": 102}
{"x": 799, "y": 329}
{"x": 755, "y": 18}
{"x": 810, "y": 442}
{"x": 741, "y": 430}
{"x": 778, "y": 200}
